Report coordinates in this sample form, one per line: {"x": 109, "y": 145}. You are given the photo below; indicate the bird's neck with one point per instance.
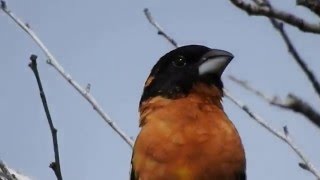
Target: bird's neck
{"x": 201, "y": 95}
{"x": 204, "y": 93}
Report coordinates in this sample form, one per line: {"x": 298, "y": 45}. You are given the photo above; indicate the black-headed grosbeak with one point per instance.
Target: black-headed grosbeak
{"x": 185, "y": 134}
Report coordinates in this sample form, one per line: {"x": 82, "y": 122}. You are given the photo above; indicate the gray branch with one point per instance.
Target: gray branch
{"x": 291, "y": 102}
{"x": 161, "y": 32}
{"x": 289, "y": 18}
{"x": 291, "y": 48}
{"x": 312, "y": 5}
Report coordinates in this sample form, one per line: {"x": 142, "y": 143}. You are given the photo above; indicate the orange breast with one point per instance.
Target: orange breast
{"x": 189, "y": 138}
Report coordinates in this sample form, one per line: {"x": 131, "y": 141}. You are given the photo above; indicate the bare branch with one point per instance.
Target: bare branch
{"x": 266, "y": 11}
{"x": 293, "y": 51}
{"x": 245, "y": 85}
{"x": 292, "y": 102}
{"x": 298, "y": 105}
{"x": 313, "y": 5}
{"x": 282, "y": 136}
{"x": 161, "y": 32}
{"x": 55, "y": 166}
{"x": 291, "y": 48}
{"x": 54, "y": 62}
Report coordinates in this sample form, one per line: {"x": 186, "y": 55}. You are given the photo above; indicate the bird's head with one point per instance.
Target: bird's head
{"x": 175, "y": 74}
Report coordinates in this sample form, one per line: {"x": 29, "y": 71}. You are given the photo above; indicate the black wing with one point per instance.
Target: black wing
{"x": 241, "y": 176}
{"x": 132, "y": 174}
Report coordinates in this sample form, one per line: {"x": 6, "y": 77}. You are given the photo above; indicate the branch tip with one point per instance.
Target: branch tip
{"x": 33, "y": 63}
{"x": 33, "y": 57}
{"x": 48, "y": 61}
{"x": 285, "y": 130}
{"x": 304, "y": 166}
{"x": 53, "y": 165}
{"x": 88, "y": 87}
{"x": 3, "y": 5}
{"x": 160, "y": 32}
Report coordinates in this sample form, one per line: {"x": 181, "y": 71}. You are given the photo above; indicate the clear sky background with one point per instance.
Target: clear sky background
{"x": 110, "y": 45}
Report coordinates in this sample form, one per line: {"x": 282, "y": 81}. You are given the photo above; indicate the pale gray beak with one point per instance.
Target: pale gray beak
{"x": 214, "y": 62}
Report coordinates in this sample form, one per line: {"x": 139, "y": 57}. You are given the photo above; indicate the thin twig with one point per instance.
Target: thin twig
{"x": 3, "y": 4}
{"x": 293, "y": 51}
{"x": 54, "y": 63}
{"x": 291, "y": 48}
{"x": 282, "y": 136}
{"x": 312, "y": 5}
{"x": 292, "y": 102}
{"x": 55, "y": 166}
{"x": 161, "y": 32}
{"x": 291, "y": 19}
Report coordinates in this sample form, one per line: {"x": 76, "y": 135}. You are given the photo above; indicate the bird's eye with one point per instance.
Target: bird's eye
{"x": 180, "y": 61}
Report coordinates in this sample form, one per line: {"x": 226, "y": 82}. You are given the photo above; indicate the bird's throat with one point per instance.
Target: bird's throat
{"x": 201, "y": 95}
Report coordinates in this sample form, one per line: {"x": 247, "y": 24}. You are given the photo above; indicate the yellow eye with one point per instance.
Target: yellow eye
{"x": 180, "y": 61}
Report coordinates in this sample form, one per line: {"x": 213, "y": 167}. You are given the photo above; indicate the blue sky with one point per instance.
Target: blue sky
{"x": 110, "y": 45}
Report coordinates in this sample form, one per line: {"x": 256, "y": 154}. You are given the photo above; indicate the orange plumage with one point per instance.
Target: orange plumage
{"x": 186, "y": 135}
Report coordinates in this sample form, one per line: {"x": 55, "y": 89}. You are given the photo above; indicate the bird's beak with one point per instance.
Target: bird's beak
{"x": 214, "y": 62}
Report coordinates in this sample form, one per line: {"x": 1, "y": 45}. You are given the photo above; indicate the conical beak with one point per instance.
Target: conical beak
{"x": 214, "y": 62}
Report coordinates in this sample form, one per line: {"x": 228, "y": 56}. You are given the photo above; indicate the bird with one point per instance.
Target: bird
{"x": 184, "y": 132}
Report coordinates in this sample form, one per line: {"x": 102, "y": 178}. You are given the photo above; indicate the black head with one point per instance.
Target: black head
{"x": 177, "y": 71}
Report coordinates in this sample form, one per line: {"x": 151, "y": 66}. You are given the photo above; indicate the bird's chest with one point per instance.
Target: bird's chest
{"x": 187, "y": 141}
{"x": 188, "y": 135}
